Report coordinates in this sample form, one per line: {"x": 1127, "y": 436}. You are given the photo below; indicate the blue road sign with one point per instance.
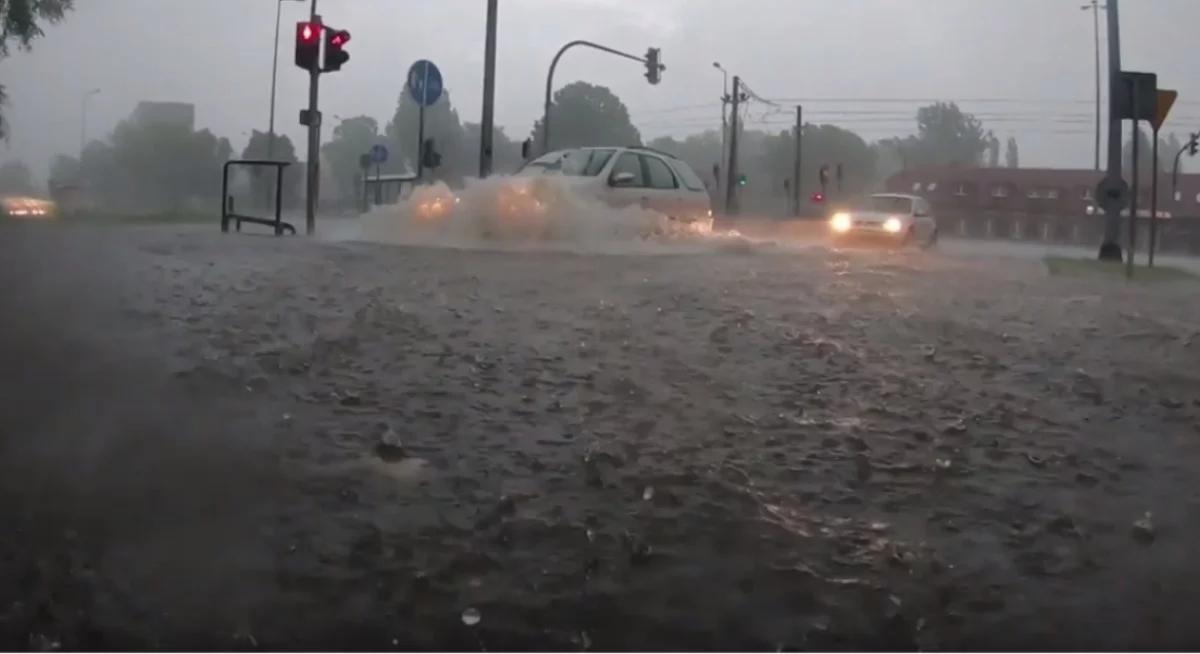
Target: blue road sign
{"x": 425, "y": 82}
{"x": 379, "y": 154}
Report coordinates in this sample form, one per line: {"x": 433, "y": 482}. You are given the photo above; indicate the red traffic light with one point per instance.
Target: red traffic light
{"x": 818, "y": 197}
{"x": 339, "y": 38}
{"x": 308, "y": 33}
{"x": 335, "y": 53}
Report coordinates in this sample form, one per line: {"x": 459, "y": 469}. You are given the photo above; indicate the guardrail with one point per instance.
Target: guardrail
{"x": 227, "y": 209}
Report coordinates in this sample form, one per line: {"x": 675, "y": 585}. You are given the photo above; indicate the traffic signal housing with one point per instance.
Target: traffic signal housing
{"x": 430, "y": 157}
{"x": 654, "y": 65}
{"x": 1194, "y": 144}
{"x": 308, "y": 44}
{"x": 335, "y": 50}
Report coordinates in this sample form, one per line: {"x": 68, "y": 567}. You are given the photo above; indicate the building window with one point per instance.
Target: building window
{"x": 916, "y": 187}
{"x": 1052, "y": 194}
{"x": 1178, "y": 196}
{"x": 1033, "y": 194}
{"x": 960, "y": 191}
{"x": 999, "y": 191}
{"x": 931, "y": 187}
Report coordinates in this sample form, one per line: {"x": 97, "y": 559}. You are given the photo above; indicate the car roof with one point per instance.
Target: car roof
{"x": 899, "y": 196}
{"x": 636, "y": 148}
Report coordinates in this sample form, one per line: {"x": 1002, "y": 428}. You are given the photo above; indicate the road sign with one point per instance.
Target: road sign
{"x": 1115, "y": 193}
{"x": 425, "y": 82}
{"x": 379, "y": 154}
{"x": 1166, "y": 99}
{"x": 1145, "y": 87}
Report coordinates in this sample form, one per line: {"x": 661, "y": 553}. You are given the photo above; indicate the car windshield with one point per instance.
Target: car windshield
{"x": 887, "y": 204}
{"x": 572, "y": 163}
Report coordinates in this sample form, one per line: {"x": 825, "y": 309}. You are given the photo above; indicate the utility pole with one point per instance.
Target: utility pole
{"x": 1133, "y": 202}
{"x": 1110, "y": 248}
{"x": 1095, "y": 8}
{"x": 796, "y": 166}
{"x": 731, "y": 205}
{"x": 314, "y": 139}
{"x": 489, "y": 93}
{"x": 724, "y": 116}
{"x": 1153, "y": 200}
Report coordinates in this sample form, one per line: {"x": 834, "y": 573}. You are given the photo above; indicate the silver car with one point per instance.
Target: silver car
{"x": 889, "y": 217}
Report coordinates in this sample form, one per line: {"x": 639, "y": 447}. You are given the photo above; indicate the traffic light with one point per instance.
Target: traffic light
{"x": 430, "y": 157}
{"x": 335, "y": 53}
{"x": 743, "y": 180}
{"x": 653, "y": 66}
{"x": 1194, "y": 144}
{"x": 817, "y": 197}
{"x": 308, "y": 44}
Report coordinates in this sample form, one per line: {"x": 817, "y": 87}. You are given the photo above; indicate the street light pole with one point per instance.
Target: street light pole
{"x": 274, "y": 79}
{"x": 1095, "y": 8}
{"x": 1110, "y": 248}
{"x": 724, "y": 119}
{"x": 83, "y": 120}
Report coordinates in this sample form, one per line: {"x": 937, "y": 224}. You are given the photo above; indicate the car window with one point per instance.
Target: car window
{"x": 688, "y": 176}
{"x": 628, "y": 162}
{"x": 659, "y": 173}
{"x": 889, "y": 204}
{"x": 546, "y": 163}
{"x": 585, "y": 163}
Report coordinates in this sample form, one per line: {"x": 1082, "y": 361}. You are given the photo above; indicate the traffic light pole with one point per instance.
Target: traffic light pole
{"x": 796, "y": 166}
{"x": 550, "y": 81}
{"x": 487, "y": 122}
{"x": 731, "y": 174}
{"x": 314, "y": 141}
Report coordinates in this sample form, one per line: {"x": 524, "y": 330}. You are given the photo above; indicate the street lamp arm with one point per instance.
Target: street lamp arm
{"x": 550, "y": 81}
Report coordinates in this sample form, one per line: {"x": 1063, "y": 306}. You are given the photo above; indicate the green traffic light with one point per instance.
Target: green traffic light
{"x": 742, "y": 180}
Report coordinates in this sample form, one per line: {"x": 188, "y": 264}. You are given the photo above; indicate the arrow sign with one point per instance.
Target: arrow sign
{"x": 1166, "y": 99}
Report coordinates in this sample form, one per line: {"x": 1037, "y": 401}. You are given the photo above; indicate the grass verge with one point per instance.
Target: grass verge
{"x": 1069, "y": 267}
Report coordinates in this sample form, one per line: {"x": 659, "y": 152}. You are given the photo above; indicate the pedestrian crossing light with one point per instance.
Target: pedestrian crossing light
{"x": 335, "y": 52}
{"x": 654, "y": 65}
{"x": 308, "y": 44}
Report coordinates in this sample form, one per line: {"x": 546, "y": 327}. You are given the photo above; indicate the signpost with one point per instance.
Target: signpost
{"x": 1164, "y": 101}
{"x": 379, "y": 156}
{"x": 425, "y": 85}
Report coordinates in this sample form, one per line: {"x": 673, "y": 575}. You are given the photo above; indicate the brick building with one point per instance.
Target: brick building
{"x": 1045, "y": 204}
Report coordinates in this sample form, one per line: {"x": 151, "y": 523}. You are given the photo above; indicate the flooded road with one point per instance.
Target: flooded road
{"x": 240, "y": 442}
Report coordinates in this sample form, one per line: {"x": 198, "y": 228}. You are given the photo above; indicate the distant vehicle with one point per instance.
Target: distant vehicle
{"x": 888, "y": 217}
{"x": 629, "y": 176}
{"x": 27, "y": 208}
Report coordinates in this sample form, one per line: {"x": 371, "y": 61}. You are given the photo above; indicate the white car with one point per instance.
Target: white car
{"x": 630, "y": 176}
{"x": 891, "y": 217}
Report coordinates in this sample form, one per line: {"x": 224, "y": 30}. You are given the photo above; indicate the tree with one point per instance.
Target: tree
{"x": 19, "y": 23}
{"x": 352, "y": 138}
{"x": 262, "y": 180}
{"x": 155, "y": 166}
{"x": 701, "y": 151}
{"x": 584, "y": 114}
{"x": 1012, "y": 156}
{"x": 993, "y": 151}
{"x": 506, "y": 154}
{"x": 15, "y": 179}
{"x": 441, "y": 124}
{"x": 947, "y": 136}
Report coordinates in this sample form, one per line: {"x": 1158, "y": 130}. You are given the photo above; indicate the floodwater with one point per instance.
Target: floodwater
{"x": 242, "y": 442}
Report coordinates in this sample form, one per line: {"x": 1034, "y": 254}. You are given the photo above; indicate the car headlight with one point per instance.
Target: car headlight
{"x": 840, "y": 222}
{"x": 892, "y": 225}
